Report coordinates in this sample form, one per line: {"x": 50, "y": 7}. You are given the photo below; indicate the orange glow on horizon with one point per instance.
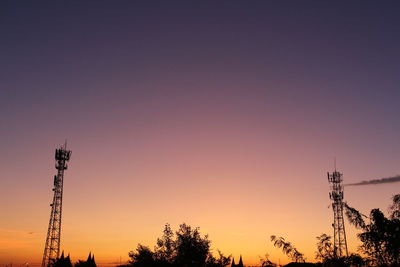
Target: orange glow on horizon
{"x": 221, "y": 115}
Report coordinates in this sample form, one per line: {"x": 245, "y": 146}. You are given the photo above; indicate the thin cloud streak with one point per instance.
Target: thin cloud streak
{"x": 387, "y": 180}
{"x": 16, "y": 231}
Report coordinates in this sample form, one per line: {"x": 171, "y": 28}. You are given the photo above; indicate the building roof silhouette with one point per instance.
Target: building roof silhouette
{"x": 240, "y": 264}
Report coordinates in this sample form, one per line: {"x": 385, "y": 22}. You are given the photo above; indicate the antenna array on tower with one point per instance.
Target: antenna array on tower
{"x": 336, "y": 195}
{"x": 52, "y": 246}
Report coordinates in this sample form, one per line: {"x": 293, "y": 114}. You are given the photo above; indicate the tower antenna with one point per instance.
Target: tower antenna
{"x": 336, "y": 195}
{"x": 52, "y": 247}
{"x": 334, "y": 161}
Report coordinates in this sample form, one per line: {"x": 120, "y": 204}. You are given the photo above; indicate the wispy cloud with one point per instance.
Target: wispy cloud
{"x": 15, "y": 231}
{"x": 387, "y": 180}
{"x": 16, "y": 238}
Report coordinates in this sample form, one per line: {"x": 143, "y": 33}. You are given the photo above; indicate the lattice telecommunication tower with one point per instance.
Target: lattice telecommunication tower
{"x": 336, "y": 195}
{"x": 52, "y": 246}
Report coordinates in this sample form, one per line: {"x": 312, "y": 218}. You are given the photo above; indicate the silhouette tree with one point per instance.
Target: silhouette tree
{"x": 394, "y": 209}
{"x": 191, "y": 249}
{"x": 143, "y": 257}
{"x": 164, "y": 251}
{"x": 301, "y": 264}
{"x": 326, "y": 253}
{"x": 354, "y": 216}
{"x": 381, "y": 237}
{"x": 220, "y": 262}
{"x": 265, "y": 262}
{"x": 288, "y": 249}
{"x": 325, "y": 249}
{"x": 355, "y": 260}
{"x": 184, "y": 248}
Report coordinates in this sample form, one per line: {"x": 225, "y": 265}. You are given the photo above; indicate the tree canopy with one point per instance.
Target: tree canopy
{"x": 380, "y": 236}
{"x": 186, "y": 247}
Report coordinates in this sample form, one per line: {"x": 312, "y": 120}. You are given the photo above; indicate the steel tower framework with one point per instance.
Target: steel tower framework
{"x": 336, "y": 195}
{"x": 52, "y": 246}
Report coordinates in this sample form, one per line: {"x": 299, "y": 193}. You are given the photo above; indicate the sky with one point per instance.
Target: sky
{"x": 221, "y": 114}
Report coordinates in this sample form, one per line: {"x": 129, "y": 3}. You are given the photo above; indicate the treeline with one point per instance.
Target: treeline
{"x": 185, "y": 247}
{"x": 379, "y": 236}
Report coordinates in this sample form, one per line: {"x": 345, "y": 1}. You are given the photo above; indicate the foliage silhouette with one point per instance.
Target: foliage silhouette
{"x": 288, "y": 249}
{"x": 222, "y": 260}
{"x": 325, "y": 249}
{"x": 164, "y": 250}
{"x": 394, "y": 209}
{"x": 142, "y": 257}
{"x": 265, "y": 262}
{"x": 354, "y": 216}
{"x": 300, "y": 264}
{"x": 381, "y": 236}
{"x": 191, "y": 249}
{"x": 186, "y": 247}
{"x": 326, "y": 253}
{"x": 355, "y": 260}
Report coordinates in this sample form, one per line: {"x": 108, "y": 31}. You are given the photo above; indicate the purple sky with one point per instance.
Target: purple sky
{"x": 235, "y": 96}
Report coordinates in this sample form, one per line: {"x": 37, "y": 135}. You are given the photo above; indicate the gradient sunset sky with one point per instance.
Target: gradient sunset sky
{"x": 222, "y": 114}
